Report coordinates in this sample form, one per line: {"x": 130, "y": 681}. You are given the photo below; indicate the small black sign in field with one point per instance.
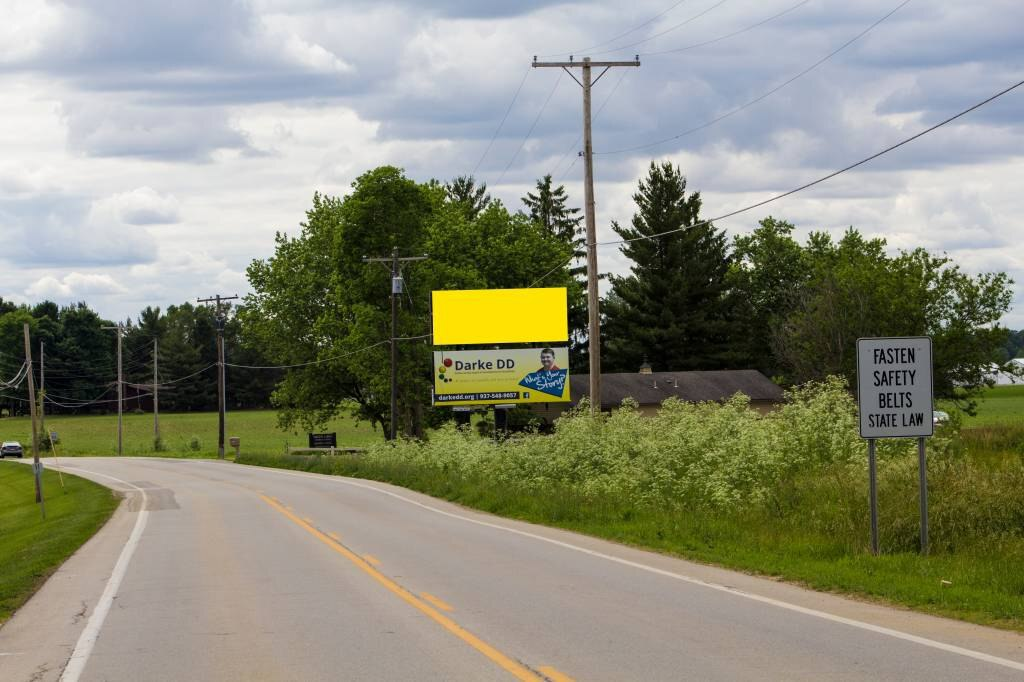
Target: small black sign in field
{"x": 323, "y": 440}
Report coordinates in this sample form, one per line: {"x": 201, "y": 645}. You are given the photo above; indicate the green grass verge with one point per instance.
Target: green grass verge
{"x": 31, "y": 549}
{"x": 189, "y": 434}
{"x": 973, "y": 582}
{"x": 999, "y": 405}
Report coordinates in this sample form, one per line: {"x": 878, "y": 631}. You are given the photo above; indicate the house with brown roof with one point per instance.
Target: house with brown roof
{"x": 650, "y": 389}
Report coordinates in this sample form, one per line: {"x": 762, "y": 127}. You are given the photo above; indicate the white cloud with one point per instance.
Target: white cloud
{"x": 222, "y": 118}
{"x": 73, "y": 286}
{"x": 25, "y": 29}
{"x": 140, "y": 206}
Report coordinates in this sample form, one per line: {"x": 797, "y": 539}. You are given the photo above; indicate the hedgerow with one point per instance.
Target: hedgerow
{"x": 704, "y": 455}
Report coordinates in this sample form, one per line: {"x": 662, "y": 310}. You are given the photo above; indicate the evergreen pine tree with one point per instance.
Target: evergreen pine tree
{"x": 548, "y": 208}
{"x": 464, "y": 191}
{"x": 673, "y": 309}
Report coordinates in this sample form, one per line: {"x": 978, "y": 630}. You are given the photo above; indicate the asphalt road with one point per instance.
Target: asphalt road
{"x": 216, "y": 571}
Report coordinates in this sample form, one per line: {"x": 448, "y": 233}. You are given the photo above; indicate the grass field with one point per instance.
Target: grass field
{"x": 999, "y": 405}
{"x": 31, "y": 549}
{"x": 189, "y": 434}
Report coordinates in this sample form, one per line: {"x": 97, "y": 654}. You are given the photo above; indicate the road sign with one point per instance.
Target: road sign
{"x": 37, "y": 467}
{"x": 894, "y": 387}
{"x": 895, "y": 397}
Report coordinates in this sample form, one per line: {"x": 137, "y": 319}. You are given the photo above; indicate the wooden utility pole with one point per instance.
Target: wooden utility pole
{"x": 156, "y": 395}
{"x": 42, "y": 390}
{"x": 221, "y": 317}
{"x": 120, "y": 391}
{"x": 397, "y": 287}
{"x": 37, "y": 466}
{"x": 593, "y": 309}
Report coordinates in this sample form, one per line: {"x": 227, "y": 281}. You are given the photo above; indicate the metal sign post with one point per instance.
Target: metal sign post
{"x": 895, "y": 400}
{"x": 922, "y": 473}
{"x": 873, "y": 495}
{"x": 37, "y": 470}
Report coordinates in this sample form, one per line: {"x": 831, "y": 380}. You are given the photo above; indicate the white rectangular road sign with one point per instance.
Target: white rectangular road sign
{"x": 894, "y": 387}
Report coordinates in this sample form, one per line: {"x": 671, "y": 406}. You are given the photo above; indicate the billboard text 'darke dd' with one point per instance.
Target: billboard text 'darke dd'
{"x": 490, "y": 377}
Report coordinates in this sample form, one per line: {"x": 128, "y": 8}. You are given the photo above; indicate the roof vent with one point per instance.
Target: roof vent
{"x": 646, "y": 367}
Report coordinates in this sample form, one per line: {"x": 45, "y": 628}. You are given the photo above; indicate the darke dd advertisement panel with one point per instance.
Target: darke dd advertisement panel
{"x": 493, "y": 377}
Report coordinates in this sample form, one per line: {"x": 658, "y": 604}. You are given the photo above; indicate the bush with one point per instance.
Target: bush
{"x": 706, "y": 455}
{"x": 195, "y": 444}
{"x": 802, "y": 467}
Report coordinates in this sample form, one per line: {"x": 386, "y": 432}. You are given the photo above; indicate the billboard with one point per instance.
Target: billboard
{"x": 493, "y": 377}
{"x": 488, "y": 316}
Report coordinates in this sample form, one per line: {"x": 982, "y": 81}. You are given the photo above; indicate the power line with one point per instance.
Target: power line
{"x": 311, "y": 362}
{"x": 834, "y": 173}
{"x": 75, "y": 406}
{"x": 530, "y": 131}
{"x": 500, "y": 125}
{"x": 807, "y": 185}
{"x": 622, "y": 77}
{"x": 621, "y": 35}
{"x": 763, "y": 96}
{"x": 189, "y": 376}
{"x": 579, "y": 138}
{"x": 741, "y": 31}
{"x": 629, "y": 46}
{"x": 328, "y": 359}
{"x": 50, "y": 394}
{"x": 77, "y": 402}
{"x": 15, "y": 382}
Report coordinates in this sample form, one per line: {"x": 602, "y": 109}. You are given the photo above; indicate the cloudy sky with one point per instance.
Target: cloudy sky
{"x": 151, "y": 149}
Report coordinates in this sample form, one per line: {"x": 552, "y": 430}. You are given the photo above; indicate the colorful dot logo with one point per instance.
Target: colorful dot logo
{"x": 445, "y": 364}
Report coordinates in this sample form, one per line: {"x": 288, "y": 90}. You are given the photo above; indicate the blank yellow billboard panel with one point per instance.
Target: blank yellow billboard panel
{"x": 480, "y": 316}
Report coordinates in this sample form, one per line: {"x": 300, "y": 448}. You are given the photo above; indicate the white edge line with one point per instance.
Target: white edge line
{"x": 924, "y": 641}
{"x": 87, "y": 640}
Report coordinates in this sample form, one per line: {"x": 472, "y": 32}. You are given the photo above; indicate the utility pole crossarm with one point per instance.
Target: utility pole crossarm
{"x": 572, "y": 64}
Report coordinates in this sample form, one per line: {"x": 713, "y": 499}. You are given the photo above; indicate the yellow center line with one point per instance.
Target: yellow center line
{"x": 308, "y": 520}
{"x": 370, "y": 559}
{"x": 334, "y": 536}
{"x": 554, "y": 675}
{"x": 436, "y": 602}
{"x": 517, "y": 669}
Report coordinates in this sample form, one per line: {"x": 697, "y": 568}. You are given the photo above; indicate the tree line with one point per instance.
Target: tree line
{"x": 80, "y": 359}
{"x": 692, "y": 300}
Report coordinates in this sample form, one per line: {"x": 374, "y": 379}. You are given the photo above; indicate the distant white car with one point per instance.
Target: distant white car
{"x": 11, "y": 448}
{"x": 939, "y": 417}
